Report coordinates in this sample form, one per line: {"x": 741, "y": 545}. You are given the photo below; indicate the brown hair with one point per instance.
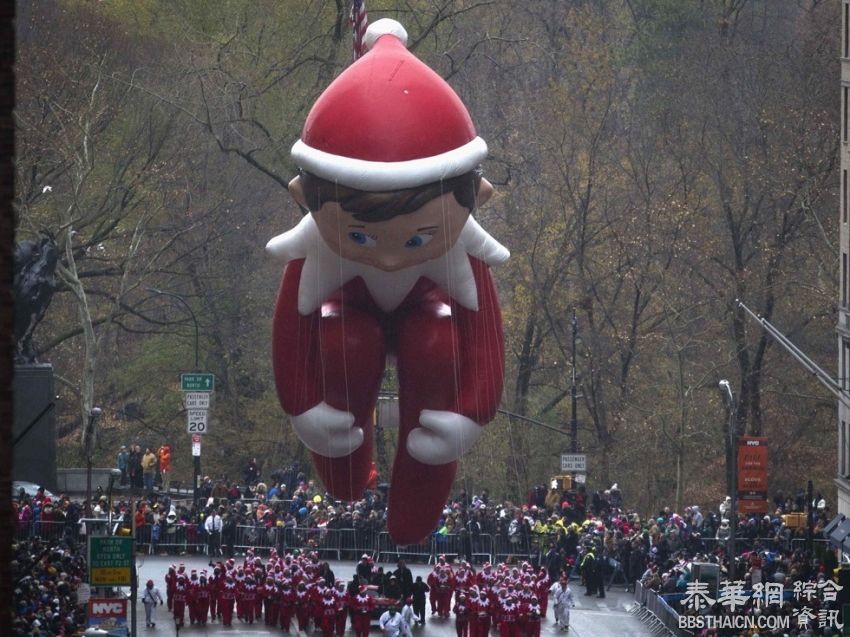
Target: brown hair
{"x": 372, "y": 207}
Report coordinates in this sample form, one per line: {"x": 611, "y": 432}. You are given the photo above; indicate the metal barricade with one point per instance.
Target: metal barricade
{"x": 482, "y": 548}
{"x": 651, "y": 609}
{"x": 179, "y": 539}
{"x": 448, "y": 545}
{"x": 389, "y": 551}
{"x": 257, "y": 538}
{"x": 291, "y": 538}
{"x": 353, "y": 543}
{"x": 514, "y": 547}
{"x": 49, "y": 530}
{"x": 819, "y": 545}
{"x": 342, "y": 544}
{"x": 144, "y": 535}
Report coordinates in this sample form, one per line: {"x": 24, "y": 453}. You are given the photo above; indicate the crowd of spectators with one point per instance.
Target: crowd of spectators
{"x": 592, "y": 535}
{"x": 45, "y": 579}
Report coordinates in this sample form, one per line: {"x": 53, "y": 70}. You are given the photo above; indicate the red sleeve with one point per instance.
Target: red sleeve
{"x": 295, "y": 347}
{"x": 482, "y": 354}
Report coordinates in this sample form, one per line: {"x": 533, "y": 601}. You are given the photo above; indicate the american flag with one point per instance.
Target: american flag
{"x": 359, "y": 22}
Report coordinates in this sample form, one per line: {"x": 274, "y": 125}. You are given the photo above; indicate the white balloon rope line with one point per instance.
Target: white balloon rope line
{"x": 455, "y": 341}
{"x": 342, "y": 330}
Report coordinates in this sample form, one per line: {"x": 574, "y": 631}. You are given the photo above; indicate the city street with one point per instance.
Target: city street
{"x": 592, "y": 617}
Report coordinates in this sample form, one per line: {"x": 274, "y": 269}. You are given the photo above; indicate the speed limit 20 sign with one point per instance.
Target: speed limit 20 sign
{"x": 196, "y": 421}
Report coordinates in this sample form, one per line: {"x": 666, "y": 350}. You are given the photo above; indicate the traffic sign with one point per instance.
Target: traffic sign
{"x": 196, "y": 421}
{"x": 197, "y": 399}
{"x": 197, "y": 382}
{"x": 196, "y": 445}
{"x": 573, "y": 462}
{"x": 110, "y": 559}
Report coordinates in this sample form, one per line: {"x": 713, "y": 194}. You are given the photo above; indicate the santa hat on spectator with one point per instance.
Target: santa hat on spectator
{"x": 388, "y": 122}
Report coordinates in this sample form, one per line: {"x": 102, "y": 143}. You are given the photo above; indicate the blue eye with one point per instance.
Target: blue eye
{"x": 418, "y": 240}
{"x": 361, "y": 238}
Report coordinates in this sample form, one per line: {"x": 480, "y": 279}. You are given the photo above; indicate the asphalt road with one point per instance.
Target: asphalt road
{"x": 592, "y": 617}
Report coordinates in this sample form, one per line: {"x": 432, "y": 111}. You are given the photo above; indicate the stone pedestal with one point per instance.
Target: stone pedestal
{"x": 34, "y": 431}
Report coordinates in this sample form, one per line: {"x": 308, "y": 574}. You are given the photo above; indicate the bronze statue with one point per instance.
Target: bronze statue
{"x": 34, "y": 284}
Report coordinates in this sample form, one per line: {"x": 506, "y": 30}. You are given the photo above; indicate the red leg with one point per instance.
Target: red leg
{"x": 334, "y": 355}
{"x": 427, "y": 350}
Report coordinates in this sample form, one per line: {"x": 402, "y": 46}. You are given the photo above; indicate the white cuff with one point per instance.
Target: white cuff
{"x": 327, "y": 431}
{"x": 443, "y": 437}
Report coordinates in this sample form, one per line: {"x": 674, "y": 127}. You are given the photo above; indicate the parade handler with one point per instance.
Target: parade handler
{"x": 562, "y": 595}
{"x": 150, "y": 598}
{"x": 389, "y": 262}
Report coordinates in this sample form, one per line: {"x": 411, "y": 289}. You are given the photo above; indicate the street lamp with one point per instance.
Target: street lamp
{"x": 93, "y": 416}
{"x": 114, "y": 474}
{"x": 188, "y": 308}
{"x": 732, "y": 408}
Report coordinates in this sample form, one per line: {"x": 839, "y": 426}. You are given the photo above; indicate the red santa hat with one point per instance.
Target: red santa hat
{"x": 388, "y": 122}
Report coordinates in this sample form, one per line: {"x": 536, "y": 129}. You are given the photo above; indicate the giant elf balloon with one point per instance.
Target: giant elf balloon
{"x": 389, "y": 264}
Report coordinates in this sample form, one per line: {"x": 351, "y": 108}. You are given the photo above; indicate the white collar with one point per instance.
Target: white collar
{"x": 325, "y": 271}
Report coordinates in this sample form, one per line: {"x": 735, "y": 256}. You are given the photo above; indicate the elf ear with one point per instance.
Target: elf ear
{"x": 296, "y": 191}
{"x": 485, "y": 191}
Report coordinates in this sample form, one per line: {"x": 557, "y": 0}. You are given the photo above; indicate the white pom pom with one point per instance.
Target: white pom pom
{"x": 384, "y": 26}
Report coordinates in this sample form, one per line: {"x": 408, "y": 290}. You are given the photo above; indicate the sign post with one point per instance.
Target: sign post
{"x": 196, "y": 421}
{"x": 752, "y": 475}
{"x": 574, "y": 462}
{"x": 197, "y": 388}
{"x": 197, "y": 382}
{"x": 110, "y": 560}
{"x": 107, "y": 612}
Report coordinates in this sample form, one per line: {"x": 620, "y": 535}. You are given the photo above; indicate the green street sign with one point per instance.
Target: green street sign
{"x": 110, "y": 560}
{"x": 197, "y": 382}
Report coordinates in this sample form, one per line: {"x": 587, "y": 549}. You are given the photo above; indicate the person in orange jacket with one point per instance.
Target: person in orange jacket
{"x": 164, "y": 455}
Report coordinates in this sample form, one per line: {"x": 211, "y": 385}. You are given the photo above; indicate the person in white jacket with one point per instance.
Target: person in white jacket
{"x": 150, "y": 598}
{"x": 407, "y": 617}
{"x": 391, "y": 622}
{"x": 562, "y": 595}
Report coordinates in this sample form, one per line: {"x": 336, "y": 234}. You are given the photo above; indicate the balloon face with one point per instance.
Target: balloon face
{"x": 397, "y": 243}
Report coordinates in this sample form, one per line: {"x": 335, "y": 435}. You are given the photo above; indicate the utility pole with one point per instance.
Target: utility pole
{"x": 732, "y": 406}
{"x": 573, "y": 401}
{"x": 573, "y": 393}
{"x": 134, "y": 576}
